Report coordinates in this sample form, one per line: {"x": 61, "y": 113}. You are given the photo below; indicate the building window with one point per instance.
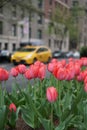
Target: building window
{"x": 50, "y": 2}
{"x": 1, "y": 10}
{"x": 14, "y": 10}
{"x": 49, "y": 43}
{"x": 86, "y": 12}
{"x": 40, "y": 19}
{"x": 14, "y": 30}
{"x": 22, "y": 31}
{"x": 75, "y": 3}
{"x": 85, "y": 30}
{"x": 39, "y": 33}
{"x": 55, "y": 44}
{"x": 14, "y": 47}
{"x": 22, "y": 13}
{"x": 6, "y": 46}
{"x": 39, "y": 3}
{"x": 30, "y": 31}
{"x": 1, "y": 27}
{"x": 50, "y": 13}
{"x": 85, "y": 21}
{"x": 0, "y": 45}
{"x": 1, "y": 6}
{"x": 64, "y": 44}
{"x": 66, "y": 1}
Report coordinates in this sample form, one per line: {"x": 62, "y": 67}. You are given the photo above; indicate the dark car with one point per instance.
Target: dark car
{"x": 69, "y": 54}
{"x": 58, "y": 54}
{"x": 5, "y": 55}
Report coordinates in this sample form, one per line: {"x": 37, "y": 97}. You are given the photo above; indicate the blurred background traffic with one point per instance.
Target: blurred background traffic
{"x": 60, "y": 25}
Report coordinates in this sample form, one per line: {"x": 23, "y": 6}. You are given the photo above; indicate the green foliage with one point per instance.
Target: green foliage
{"x": 67, "y": 20}
{"x": 83, "y": 51}
{"x": 3, "y": 117}
{"x": 3, "y": 109}
{"x": 12, "y": 118}
{"x": 69, "y": 110}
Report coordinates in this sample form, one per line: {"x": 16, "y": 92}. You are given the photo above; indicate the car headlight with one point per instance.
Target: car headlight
{"x": 7, "y": 54}
{"x": 28, "y": 56}
{"x": 12, "y": 56}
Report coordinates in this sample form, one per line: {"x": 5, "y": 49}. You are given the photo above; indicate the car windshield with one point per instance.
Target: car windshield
{"x": 4, "y": 52}
{"x": 57, "y": 51}
{"x": 25, "y": 49}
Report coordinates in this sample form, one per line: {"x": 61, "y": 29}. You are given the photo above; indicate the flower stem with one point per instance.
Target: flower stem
{"x": 1, "y": 95}
{"x": 52, "y": 116}
{"x": 59, "y": 91}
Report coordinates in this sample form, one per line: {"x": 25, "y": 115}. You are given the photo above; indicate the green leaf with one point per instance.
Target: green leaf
{"x": 46, "y": 123}
{"x": 3, "y": 117}
{"x": 61, "y": 126}
{"x": 28, "y": 115}
{"x": 13, "y": 118}
{"x": 67, "y": 101}
{"x": 2, "y": 93}
{"x": 64, "y": 124}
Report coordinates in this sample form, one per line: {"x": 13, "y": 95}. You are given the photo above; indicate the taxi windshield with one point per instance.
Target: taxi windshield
{"x": 26, "y": 49}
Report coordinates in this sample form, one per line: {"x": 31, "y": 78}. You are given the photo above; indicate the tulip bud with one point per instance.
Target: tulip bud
{"x": 21, "y": 68}
{"x": 14, "y": 72}
{"x": 51, "y": 94}
{"x": 4, "y": 74}
{"x": 12, "y": 107}
{"x": 85, "y": 87}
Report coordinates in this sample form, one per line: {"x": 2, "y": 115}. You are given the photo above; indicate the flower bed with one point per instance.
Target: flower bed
{"x": 57, "y": 102}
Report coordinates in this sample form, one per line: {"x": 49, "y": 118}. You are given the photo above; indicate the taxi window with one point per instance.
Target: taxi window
{"x": 26, "y": 49}
{"x": 42, "y": 50}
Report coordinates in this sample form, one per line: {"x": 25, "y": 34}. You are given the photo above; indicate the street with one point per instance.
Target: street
{"x": 20, "y": 80}
{"x": 9, "y": 83}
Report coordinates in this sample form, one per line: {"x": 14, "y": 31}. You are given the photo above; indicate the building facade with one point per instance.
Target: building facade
{"x": 55, "y": 42}
{"x": 82, "y": 21}
{"x": 18, "y": 24}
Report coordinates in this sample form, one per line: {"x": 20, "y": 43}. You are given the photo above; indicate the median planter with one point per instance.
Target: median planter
{"x": 21, "y": 125}
{"x": 54, "y": 102}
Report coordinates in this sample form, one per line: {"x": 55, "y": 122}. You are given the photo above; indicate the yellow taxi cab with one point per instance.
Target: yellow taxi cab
{"x": 30, "y": 54}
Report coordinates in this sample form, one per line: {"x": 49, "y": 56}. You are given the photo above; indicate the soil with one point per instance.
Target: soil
{"x": 21, "y": 125}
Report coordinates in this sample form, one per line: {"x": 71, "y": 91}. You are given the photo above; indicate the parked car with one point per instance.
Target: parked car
{"x": 58, "y": 54}
{"x": 30, "y": 54}
{"x": 5, "y": 55}
{"x": 76, "y": 54}
{"x": 69, "y": 54}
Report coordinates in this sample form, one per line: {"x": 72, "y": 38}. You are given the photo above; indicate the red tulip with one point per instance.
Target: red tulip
{"x": 77, "y": 69}
{"x": 60, "y": 75}
{"x": 80, "y": 76}
{"x": 4, "y": 75}
{"x": 21, "y": 68}
{"x": 12, "y": 106}
{"x": 51, "y": 94}
{"x": 29, "y": 74}
{"x": 42, "y": 72}
{"x": 55, "y": 71}
{"x": 85, "y": 87}
{"x": 70, "y": 71}
{"x": 84, "y": 61}
{"x": 69, "y": 74}
{"x": 14, "y": 72}
{"x": 54, "y": 60}
{"x": 71, "y": 59}
{"x": 37, "y": 63}
{"x": 34, "y": 68}
{"x": 79, "y": 61}
{"x": 51, "y": 66}
{"x": 63, "y": 62}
